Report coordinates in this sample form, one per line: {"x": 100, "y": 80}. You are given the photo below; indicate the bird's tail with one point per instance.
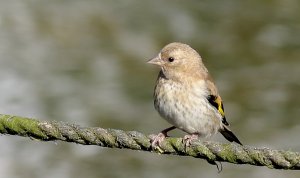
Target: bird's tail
{"x": 227, "y": 133}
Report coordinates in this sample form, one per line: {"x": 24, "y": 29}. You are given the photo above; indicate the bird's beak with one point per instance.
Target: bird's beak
{"x": 155, "y": 61}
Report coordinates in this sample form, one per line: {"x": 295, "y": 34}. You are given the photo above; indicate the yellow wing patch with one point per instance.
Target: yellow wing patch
{"x": 216, "y": 101}
{"x": 220, "y": 106}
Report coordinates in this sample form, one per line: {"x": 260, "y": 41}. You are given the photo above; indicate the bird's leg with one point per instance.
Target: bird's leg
{"x": 187, "y": 139}
{"x": 157, "y": 139}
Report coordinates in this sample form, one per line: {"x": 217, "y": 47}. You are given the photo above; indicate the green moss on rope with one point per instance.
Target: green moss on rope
{"x": 20, "y": 126}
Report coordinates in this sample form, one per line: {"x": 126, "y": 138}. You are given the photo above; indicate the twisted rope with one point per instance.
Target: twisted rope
{"x": 112, "y": 138}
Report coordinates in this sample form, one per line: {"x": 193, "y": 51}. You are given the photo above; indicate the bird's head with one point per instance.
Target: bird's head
{"x": 179, "y": 60}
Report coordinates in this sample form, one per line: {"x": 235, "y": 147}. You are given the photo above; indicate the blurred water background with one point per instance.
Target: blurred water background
{"x": 84, "y": 62}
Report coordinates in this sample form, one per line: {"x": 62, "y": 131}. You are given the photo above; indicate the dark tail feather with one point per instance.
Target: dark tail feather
{"x": 229, "y": 135}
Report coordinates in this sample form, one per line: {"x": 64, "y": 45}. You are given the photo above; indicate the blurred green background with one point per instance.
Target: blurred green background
{"x": 84, "y": 62}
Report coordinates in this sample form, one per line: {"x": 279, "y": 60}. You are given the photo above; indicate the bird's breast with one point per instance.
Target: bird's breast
{"x": 185, "y": 106}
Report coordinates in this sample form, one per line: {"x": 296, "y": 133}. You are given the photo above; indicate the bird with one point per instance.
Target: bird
{"x": 186, "y": 96}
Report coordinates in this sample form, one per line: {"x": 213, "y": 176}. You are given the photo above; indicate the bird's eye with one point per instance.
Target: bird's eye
{"x": 171, "y": 59}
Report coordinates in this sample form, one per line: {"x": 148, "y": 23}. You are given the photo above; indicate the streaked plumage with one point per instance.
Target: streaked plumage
{"x": 186, "y": 96}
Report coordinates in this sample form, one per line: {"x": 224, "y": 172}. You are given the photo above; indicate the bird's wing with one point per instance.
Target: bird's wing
{"x": 216, "y": 102}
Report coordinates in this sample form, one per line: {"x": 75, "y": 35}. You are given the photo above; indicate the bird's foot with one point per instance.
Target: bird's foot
{"x": 187, "y": 139}
{"x": 157, "y": 139}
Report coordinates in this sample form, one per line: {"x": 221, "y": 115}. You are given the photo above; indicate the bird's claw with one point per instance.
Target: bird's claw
{"x": 187, "y": 139}
{"x": 157, "y": 139}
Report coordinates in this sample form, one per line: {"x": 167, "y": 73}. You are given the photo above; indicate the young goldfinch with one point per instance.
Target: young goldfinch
{"x": 186, "y": 96}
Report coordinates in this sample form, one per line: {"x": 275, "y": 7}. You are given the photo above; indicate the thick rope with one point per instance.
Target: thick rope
{"x": 210, "y": 151}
